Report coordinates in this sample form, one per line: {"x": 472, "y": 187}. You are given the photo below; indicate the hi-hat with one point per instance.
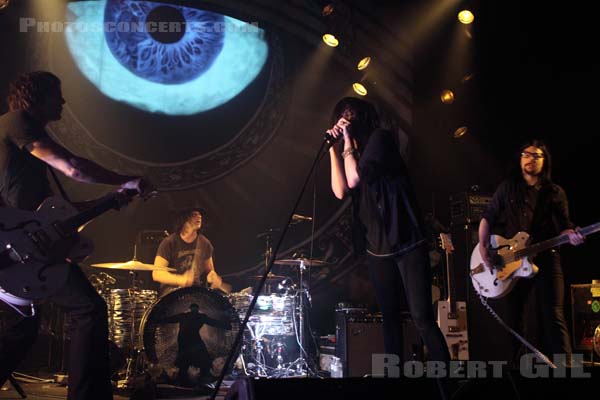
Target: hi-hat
{"x": 134, "y": 265}
{"x": 297, "y": 261}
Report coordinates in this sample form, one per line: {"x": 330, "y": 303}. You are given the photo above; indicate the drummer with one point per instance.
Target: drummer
{"x": 190, "y": 253}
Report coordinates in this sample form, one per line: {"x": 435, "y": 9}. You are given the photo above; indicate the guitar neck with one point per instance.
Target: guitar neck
{"x": 73, "y": 223}
{"x": 550, "y": 243}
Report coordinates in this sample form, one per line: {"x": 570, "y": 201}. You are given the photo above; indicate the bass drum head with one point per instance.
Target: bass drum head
{"x": 159, "y": 339}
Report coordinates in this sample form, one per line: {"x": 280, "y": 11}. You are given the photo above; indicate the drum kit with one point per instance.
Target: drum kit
{"x": 145, "y": 341}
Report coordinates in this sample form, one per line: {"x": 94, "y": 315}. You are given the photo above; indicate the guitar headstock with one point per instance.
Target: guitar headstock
{"x": 446, "y": 242}
{"x": 122, "y": 197}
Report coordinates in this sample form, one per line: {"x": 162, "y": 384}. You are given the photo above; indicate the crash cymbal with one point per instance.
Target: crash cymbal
{"x": 297, "y": 261}
{"x": 134, "y": 265}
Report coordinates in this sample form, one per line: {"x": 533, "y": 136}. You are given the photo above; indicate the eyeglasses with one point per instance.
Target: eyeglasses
{"x": 535, "y": 156}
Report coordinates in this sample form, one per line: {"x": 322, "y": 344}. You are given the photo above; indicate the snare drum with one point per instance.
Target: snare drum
{"x": 159, "y": 335}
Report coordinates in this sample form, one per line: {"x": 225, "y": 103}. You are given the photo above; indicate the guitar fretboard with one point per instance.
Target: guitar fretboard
{"x": 550, "y": 243}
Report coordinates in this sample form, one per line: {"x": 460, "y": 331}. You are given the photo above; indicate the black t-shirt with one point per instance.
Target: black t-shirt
{"x": 182, "y": 256}
{"x": 23, "y": 181}
{"x": 384, "y": 202}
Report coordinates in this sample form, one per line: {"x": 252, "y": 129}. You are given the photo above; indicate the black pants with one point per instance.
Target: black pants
{"x": 539, "y": 308}
{"x": 89, "y": 366}
{"x": 409, "y": 273}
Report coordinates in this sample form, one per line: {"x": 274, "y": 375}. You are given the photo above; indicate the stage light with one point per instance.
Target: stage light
{"x": 460, "y": 132}
{"x": 467, "y": 78}
{"x": 447, "y": 96}
{"x": 328, "y": 10}
{"x": 330, "y": 40}
{"x": 4, "y": 4}
{"x": 466, "y": 17}
{"x": 364, "y": 63}
{"x": 359, "y": 89}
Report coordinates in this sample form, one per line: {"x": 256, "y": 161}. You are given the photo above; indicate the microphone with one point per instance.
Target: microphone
{"x": 298, "y": 218}
{"x": 330, "y": 139}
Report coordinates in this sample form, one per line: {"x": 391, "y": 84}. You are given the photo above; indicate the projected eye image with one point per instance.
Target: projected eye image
{"x": 187, "y": 62}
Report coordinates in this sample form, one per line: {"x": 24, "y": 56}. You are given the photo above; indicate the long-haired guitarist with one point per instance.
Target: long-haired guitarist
{"x": 26, "y": 151}
{"x": 528, "y": 201}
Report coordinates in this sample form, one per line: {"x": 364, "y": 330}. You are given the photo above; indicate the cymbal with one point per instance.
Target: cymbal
{"x": 270, "y": 277}
{"x": 134, "y": 265}
{"x": 297, "y": 261}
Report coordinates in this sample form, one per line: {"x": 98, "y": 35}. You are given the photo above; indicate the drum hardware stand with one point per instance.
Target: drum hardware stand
{"x": 301, "y": 361}
{"x": 132, "y": 368}
{"x": 325, "y": 144}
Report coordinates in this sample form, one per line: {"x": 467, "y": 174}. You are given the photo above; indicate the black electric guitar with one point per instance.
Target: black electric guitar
{"x": 37, "y": 248}
{"x": 452, "y": 314}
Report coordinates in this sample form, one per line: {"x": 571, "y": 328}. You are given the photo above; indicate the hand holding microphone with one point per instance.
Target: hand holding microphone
{"x": 341, "y": 128}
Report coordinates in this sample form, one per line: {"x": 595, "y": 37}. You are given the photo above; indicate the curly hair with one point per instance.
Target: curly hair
{"x": 31, "y": 89}
{"x": 183, "y": 216}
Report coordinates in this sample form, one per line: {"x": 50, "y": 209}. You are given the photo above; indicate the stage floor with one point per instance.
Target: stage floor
{"x": 47, "y": 391}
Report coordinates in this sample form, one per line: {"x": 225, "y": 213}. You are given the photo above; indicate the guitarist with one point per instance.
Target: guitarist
{"x": 529, "y": 201}
{"x": 26, "y": 151}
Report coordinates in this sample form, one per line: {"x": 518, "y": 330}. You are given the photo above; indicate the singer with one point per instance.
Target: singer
{"x": 367, "y": 165}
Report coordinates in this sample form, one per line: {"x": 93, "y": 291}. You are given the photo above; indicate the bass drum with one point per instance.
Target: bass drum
{"x": 162, "y": 328}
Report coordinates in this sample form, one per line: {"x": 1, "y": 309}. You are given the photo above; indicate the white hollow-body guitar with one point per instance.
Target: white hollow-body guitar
{"x": 512, "y": 261}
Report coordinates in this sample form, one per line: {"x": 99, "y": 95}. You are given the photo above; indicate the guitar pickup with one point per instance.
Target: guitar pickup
{"x": 41, "y": 239}
{"x": 62, "y": 232}
{"x": 478, "y": 269}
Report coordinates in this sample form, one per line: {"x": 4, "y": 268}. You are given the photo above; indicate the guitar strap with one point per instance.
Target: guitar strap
{"x": 63, "y": 193}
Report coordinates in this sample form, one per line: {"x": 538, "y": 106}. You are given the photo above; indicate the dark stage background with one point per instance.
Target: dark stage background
{"x": 531, "y": 74}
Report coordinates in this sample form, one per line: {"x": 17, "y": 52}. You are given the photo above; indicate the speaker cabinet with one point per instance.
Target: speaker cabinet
{"x": 358, "y": 337}
{"x": 585, "y": 312}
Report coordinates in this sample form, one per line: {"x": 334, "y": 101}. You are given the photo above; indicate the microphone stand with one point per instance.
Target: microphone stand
{"x": 327, "y": 143}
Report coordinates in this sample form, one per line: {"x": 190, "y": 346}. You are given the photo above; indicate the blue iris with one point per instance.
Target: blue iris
{"x": 146, "y": 56}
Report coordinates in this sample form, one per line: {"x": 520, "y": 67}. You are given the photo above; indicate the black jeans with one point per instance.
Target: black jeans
{"x": 409, "y": 273}
{"x": 546, "y": 291}
{"x": 89, "y": 366}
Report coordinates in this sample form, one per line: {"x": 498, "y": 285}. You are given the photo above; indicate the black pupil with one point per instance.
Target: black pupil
{"x": 165, "y": 24}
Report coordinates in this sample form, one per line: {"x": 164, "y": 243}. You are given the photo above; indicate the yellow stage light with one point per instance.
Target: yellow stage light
{"x": 447, "y": 96}
{"x": 330, "y": 40}
{"x": 364, "y": 63}
{"x": 466, "y": 17}
{"x": 359, "y": 89}
{"x": 460, "y": 132}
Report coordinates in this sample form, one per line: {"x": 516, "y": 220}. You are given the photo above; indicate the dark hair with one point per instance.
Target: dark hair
{"x": 367, "y": 117}
{"x": 31, "y": 89}
{"x": 182, "y": 217}
{"x": 546, "y": 173}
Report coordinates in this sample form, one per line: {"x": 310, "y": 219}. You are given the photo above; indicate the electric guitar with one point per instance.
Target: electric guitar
{"x": 37, "y": 248}
{"x": 452, "y": 315}
{"x": 511, "y": 261}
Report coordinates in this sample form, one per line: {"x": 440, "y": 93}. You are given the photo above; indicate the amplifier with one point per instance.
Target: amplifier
{"x": 359, "y": 336}
{"x": 585, "y": 308}
{"x": 468, "y": 207}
